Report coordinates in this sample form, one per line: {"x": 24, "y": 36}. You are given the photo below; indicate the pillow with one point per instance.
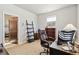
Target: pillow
{"x": 66, "y": 35}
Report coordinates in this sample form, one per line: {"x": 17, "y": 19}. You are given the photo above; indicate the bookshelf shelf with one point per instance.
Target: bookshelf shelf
{"x": 30, "y": 31}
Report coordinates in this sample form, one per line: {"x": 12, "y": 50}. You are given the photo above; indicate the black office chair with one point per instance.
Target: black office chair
{"x": 66, "y": 36}
{"x": 44, "y": 41}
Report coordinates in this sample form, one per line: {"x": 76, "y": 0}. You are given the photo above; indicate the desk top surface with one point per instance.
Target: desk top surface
{"x": 63, "y": 48}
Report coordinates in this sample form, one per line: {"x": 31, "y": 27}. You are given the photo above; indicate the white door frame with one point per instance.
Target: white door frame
{"x": 4, "y": 25}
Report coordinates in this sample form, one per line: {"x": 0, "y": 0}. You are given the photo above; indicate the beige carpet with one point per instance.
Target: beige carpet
{"x": 33, "y": 48}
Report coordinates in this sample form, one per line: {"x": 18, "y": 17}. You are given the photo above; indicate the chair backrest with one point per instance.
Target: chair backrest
{"x": 42, "y": 35}
{"x": 66, "y": 36}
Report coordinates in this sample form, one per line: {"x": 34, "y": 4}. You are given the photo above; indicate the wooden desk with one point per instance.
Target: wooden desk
{"x": 51, "y": 32}
{"x": 57, "y": 50}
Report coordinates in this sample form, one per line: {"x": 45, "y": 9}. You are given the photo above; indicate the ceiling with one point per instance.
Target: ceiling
{"x": 41, "y": 8}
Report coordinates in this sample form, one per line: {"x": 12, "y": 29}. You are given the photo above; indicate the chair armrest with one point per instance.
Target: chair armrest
{"x": 45, "y": 41}
{"x": 48, "y": 42}
{"x": 50, "y": 38}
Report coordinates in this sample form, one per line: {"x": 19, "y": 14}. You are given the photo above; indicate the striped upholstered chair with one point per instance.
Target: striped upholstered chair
{"x": 65, "y": 36}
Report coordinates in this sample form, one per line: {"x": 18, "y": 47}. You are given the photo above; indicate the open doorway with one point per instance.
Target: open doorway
{"x": 11, "y": 29}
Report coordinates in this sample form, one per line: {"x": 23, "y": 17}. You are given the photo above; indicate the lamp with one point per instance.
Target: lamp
{"x": 70, "y": 27}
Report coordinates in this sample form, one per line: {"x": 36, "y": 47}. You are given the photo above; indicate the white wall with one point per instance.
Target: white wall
{"x": 78, "y": 20}
{"x": 64, "y": 16}
{"x": 1, "y": 28}
{"x": 23, "y": 15}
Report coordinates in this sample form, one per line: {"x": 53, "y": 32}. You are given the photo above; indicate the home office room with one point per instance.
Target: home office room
{"x": 39, "y": 29}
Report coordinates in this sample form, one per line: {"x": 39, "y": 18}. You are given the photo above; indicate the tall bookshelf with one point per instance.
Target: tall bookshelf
{"x": 30, "y": 31}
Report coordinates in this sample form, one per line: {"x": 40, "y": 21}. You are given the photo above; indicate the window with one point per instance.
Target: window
{"x": 51, "y": 19}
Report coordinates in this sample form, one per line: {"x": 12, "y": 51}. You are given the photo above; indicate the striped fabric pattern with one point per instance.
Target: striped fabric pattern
{"x": 66, "y": 35}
